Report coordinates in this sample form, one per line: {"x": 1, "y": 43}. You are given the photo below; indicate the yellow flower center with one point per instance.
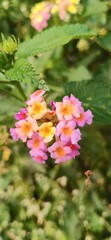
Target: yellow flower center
{"x": 67, "y": 109}
{"x": 60, "y": 151}
{"x": 54, "y": 10}
{"x": 37, "y": 108}
{"x": 36, "y": 143}
{"x": 72, "y": 9}
{"x": 26, "y": 128}
{"x": 39, "y": 18}
{"x": 67, "y": 131}
{"x": 47, "y": 131}
{"x": 81, "y": 117}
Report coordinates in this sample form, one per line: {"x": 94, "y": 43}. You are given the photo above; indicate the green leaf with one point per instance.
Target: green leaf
{"x": 77, "y": 74}
{"x": 7, "y": 120}
{"x": 2, "y": 77}
{"x": 42, "y": 85}
{"x": 52, "y": 38}
{"x": 94, "y": 137}
{"x": 103, "y": 71}
{"x": 23, "y": 71}
{"x": 105, "y": 42}
{"x": 95, "y": 7}
{"x": 95, "y": 95}
{"x": 4, "y": 216}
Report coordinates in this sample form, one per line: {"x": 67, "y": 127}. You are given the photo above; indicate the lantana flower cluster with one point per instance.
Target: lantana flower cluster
{"x": 42, "y": 12}
{"x": 53, "y": 131}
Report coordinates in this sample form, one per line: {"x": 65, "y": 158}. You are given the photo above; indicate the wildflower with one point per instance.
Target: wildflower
{"x": 67, "y": 109}
{"x": 40, "y": 14}
{"x": 72, "y": 8}
{"x": 14, "y": 134}
{"x": 36, "y": 143}
{"x": 74, "y": 148}
{"x": 85, "y": 117}
{"x": 40, "y": 157}
{"x": 37, "y": 110}
{"x": 25, "y": 128}
{"x": 38, "y": 148}
{"x": 21, "y": 115}
{"x": 47, "y": 131}
{"x": 63, "y": 7}
{"x": 36, "y": 105}
{"x": 54, "y": 9}
{"x": 88, "y": 117}
{"x": 52, "y": 104}
{"x": 67, "y": 132}
{"x": 60, "y": 151}
{"x": 73, "y": 100}
{"x": 37, "y": 95}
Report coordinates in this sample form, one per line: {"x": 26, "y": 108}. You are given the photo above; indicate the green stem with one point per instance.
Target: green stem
{"x": 54, "y": 174}
{"x": 16, "y": 84}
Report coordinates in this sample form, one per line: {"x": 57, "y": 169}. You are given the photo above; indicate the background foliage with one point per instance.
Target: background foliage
{"x": 49, "y": 202}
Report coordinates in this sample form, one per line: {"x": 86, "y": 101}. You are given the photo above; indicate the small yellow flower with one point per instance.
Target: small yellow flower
{"x": 39, "y": 18}
{"x": 72, "y": 9}
{"x": 37, "y": 110}
{"x": 37, "y": 8}
{"x": 54, "y": 9}
{"x": 82, "y": 45}
{"x": 75, "y": 1}
{"x": 6, "y": 153}
{"x": 47, "y": 131}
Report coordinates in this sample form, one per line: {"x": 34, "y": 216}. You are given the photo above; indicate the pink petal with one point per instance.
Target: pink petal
{"x": 53, "y": 105}
{"x": 76, "y": 136}
{"x": 88, "y": 117}
{"x": 21, "y": 115}
{"x": 14, "y": 134}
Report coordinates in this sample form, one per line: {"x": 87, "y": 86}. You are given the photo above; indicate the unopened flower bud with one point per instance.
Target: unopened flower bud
{"x": 82, "y": 45}
{"x": 9, "y": 45}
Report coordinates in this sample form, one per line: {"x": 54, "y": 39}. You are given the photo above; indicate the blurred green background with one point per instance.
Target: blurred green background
{"x": 49, "y": 202}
